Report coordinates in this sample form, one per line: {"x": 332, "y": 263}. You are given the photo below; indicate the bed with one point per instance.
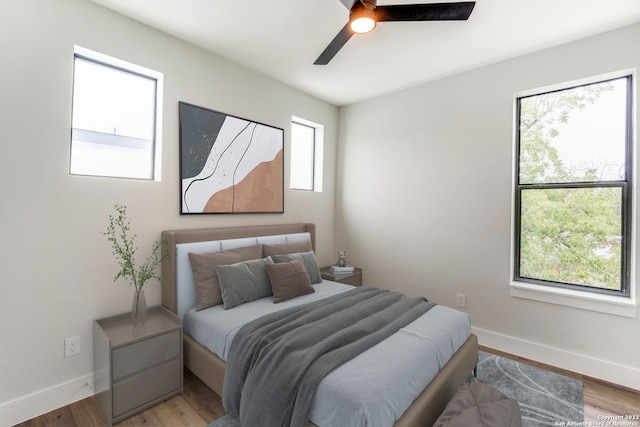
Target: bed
{"x": 179, "y": 297}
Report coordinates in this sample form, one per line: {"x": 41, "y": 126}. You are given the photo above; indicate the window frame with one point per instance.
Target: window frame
{"x": 622, "y": 301}
{"x": 107, "y": 61}
{"x": 317, "y": 153}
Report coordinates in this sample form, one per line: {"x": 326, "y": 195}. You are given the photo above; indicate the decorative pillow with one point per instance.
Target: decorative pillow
{"x": 477, "y": 404}
{"x": 244, "y": 281}
{"x": 310, "y": 263}
{"x": 288, "y": 280}
{"x": 205, "y": 277}
{"x": 286, "y": 248}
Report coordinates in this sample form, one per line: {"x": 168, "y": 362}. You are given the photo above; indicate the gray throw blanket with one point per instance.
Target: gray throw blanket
{"x": 275, "y": 362}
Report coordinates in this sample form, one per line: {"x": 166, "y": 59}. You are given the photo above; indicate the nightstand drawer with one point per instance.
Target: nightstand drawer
{"x": 136, "y": 366}
{"x": 354, "y": 278}
{"x": 144, "y": 388}
{"x": 131, "y": 358}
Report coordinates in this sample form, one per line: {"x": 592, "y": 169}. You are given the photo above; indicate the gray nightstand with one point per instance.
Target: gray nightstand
{"x": 354, "y": 279}
{"x": 136, "y": 367}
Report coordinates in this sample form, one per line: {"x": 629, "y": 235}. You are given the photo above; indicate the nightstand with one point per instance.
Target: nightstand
{"x": 136, "y": 367}
{"x": 354, "y": 279}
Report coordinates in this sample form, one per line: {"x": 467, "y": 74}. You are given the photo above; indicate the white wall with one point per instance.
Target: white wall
{"x": 56, "y": 267}
{"x": 424, "y": 204}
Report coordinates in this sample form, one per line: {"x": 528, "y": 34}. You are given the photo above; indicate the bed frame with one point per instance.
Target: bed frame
{"x": 210, "y": 368}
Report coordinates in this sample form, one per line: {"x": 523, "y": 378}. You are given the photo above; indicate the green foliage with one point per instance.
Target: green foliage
{"x": 122, "y": 242}
{"x": 540, "y": 116}
{"x": 572, "y": 236}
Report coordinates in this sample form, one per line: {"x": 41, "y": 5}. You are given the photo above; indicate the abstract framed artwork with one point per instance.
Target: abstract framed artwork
{"x": 229, "y": 164}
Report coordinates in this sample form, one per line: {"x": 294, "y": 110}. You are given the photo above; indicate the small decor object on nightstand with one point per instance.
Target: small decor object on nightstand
{"x": 341, "y": 267}
{"x": 124, "y": 250}
{"x": 342, "y": 255}
{"x": 336, "y": 269}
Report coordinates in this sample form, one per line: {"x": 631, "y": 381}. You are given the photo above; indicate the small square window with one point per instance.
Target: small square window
{"x": 302, "y": 156}
{"x": 306, "y": 155}
{"x": 115, "y": 121}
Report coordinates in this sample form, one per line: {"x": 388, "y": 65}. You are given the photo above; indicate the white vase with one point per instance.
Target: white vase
{"x": 139, "y": 308}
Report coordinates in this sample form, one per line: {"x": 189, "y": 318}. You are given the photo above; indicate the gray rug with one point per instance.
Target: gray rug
{"x": 226, "y": 421}
{"x": 545, "y": 398}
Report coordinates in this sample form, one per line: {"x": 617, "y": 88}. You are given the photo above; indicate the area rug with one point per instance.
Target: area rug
{"x": 545, "y": 398}
{"x": 226, "y": 421}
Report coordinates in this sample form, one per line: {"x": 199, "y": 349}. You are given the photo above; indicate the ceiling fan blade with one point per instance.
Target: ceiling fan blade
{"x": 425, "y": 12}
{"x": 336, "y": 44}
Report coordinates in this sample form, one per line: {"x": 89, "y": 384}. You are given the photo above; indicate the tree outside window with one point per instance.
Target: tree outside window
{"x": 573, "y": 193}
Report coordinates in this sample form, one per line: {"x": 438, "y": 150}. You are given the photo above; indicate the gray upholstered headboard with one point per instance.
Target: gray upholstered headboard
{"x": 176, "y": 268}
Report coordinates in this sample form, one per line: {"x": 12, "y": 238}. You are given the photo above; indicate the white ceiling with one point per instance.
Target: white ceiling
{"x": 282, "y": 38}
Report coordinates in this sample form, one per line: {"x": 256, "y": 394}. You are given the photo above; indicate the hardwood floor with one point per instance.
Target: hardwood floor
{"x": 198, "y": 405}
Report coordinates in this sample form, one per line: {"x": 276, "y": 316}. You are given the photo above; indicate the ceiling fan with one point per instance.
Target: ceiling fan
{"x": 365, "y": 14}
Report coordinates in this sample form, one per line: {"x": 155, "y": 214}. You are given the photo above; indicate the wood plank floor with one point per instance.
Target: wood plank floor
{"x": 198, "y": 405}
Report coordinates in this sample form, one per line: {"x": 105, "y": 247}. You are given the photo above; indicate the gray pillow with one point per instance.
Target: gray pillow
{"x": 244, "y": 281}
{"x": 310, "y": 263}
{"x": 205, "y": 277}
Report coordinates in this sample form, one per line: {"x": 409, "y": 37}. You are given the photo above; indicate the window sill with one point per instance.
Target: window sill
{"x": 619, "y": 306}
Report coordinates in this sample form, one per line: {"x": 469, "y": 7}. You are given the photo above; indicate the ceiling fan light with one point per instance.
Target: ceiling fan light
{"x": 363, "y": 21}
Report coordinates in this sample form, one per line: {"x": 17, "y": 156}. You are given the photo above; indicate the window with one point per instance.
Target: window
{"x": 302, "y": 156}
{"x": 116, "y": 118}
{"x": 572, "y": 225}
{"x": 306, "y": 155}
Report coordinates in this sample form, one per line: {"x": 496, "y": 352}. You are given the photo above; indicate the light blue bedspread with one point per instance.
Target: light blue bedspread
{"x": 402, "y": 365}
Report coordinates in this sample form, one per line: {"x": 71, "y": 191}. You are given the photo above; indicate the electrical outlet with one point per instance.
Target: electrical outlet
{"x": 71, "y": 346}
{"x": 461, "y": 300}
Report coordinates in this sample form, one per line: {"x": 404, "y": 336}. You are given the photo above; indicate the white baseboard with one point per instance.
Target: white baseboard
{"x": 626, "y": 376}
{"x": 32, "y": 405}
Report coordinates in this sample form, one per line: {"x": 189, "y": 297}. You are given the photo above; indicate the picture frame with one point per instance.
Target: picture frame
{"x": 229, "y": 164}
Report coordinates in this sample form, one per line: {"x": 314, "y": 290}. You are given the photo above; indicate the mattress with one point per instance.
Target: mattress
{"x": 373, "y": 389}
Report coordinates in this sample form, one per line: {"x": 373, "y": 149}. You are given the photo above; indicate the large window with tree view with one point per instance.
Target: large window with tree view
{"x": 573, "y": 187}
